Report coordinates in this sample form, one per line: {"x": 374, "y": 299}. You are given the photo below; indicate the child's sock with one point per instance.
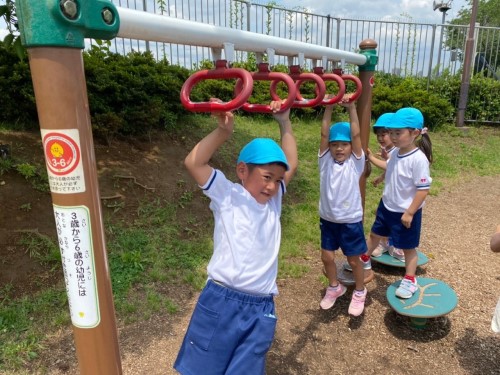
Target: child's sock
{"x": 334, "y": 286}
{"x": 365, "y": 258}
{"x": 411, "y": 278}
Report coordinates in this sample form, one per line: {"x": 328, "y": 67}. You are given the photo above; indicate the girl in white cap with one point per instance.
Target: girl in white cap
{"x": 407, "y": 184}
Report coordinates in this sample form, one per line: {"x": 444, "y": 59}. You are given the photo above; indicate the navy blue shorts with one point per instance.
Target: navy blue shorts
{"x": 230, "y": 333}
{"x": 349, "y": 237}
{"x": 388, "y": 224}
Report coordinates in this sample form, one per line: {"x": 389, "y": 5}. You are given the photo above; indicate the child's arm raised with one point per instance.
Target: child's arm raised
{"x": 325, "y": 127}
{"x": 357, "y": 147}
{"x": 197, "y": 160}
{"x": 288, "y": 142}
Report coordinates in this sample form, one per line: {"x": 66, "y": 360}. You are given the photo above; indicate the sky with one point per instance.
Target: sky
{"x": 418, "y": 10}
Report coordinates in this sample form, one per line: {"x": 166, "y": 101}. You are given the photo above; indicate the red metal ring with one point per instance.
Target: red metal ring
{"x": 242, "y": 76}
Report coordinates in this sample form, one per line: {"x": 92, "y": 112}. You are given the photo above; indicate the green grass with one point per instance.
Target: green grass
{"x": 157, "y": 249}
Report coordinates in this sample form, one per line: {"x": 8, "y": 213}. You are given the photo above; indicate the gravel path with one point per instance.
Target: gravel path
{"x": 458, "y": 224}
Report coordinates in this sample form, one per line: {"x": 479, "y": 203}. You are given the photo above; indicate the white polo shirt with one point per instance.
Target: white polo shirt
{"x": 247, "y": 236}
{"x": 405, "y": 175}
{"x": 340, "y": 197}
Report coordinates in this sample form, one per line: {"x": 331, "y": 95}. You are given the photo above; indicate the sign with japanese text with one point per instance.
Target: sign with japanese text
{"x": 77, "y": 256}
{"x": 63, "y": 160}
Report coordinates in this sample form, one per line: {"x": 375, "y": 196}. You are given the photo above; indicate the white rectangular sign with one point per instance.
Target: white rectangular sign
{"x": 77, "y": 255}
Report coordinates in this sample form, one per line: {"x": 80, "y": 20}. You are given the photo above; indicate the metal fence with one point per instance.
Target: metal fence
{"x": 405, "y": 48}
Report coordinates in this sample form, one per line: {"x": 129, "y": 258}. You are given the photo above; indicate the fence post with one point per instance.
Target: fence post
{"x": 429, "y": 73}
{"x": 337, "y": 39}
{"x": 366, "y": 75}
{"x": 466, "y": 72}
{"x": 54, "y": 33}
{"x": 328, "y": 30}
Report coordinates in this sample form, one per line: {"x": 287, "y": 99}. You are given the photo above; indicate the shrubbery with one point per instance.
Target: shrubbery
{"x": 134, "y": 94}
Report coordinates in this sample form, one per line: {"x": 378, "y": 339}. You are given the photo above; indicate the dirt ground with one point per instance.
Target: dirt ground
{"x": 457, "y": 226}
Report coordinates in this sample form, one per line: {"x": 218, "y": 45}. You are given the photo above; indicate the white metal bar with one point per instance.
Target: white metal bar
{"x": 160, "y": 28}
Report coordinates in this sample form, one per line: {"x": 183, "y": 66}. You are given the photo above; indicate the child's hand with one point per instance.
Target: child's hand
{"x": 275, "y": 107}
{"x": 384, "y": 154}
{"x": 344, "y": 102}
{"x": 378, "y": 180}
{"x": 406, "y": 219}
{"x": 225, "y": 120}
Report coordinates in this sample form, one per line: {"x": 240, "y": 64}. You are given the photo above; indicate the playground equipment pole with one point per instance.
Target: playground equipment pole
{"x": 366, "y": 75}
{"x": 53, "y": 33}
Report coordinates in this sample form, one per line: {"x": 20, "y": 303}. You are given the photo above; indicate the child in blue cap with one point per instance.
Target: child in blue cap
{"x": 234, "y": 321}
{"x": 407, "y": 184}
{"x": 386, "y": 149}
{"x": 341, "y": 164}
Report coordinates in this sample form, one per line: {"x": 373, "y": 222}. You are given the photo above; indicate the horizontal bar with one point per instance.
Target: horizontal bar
{"x": 160, "y": 28}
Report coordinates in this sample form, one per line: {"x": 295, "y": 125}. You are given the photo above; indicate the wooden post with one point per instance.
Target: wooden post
{"x": 364, "y": 107}
{"x": 63, "y": 111}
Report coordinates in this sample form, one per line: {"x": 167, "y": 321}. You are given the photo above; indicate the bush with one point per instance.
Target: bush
{"x": 133, "y": 94}
{"x": 409, "y": 92}
{"x": 17, "y": 99}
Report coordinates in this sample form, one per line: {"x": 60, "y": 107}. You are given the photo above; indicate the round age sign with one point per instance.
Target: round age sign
{"x": 61, "y": 152}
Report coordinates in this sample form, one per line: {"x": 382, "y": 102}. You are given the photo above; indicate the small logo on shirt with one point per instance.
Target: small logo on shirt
{"x": 422, "y": 180}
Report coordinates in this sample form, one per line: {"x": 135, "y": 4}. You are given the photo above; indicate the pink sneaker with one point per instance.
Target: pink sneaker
{"x": 397, "y": 253}
{"x": 357, "y": 304}
{"x": 331, "y": 295}
{"x": 383, "y": 247}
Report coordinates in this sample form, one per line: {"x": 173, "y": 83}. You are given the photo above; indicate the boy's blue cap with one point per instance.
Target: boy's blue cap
{"x": 262, "y": 151}
{"x": 383, "y": 120}
{"x": 340, "y": 132}
{"x": 407, "y": 118}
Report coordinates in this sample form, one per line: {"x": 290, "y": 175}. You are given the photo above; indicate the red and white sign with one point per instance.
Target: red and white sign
{"x": 63, "y": 159}
{"x": 61, "y": 153}
{"x": 372, "y": 81}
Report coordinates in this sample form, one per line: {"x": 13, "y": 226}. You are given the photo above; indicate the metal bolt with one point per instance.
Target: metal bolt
{"x": 69, "y": 8}
{"x": 107, "y": 16}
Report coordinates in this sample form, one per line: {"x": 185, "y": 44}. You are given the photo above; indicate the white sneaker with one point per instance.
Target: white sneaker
{"x": 366, "y": 265}
{"x": 406, "y": 289}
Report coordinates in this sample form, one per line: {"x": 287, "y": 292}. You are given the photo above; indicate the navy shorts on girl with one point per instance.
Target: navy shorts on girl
{"x": 349, "y": 237}
{"x": 230, "y": 333}
{"x": 388, "y": 224}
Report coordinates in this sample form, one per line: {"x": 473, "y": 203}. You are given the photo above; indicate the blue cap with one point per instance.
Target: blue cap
{"x": 340, "y": 132}
{"x": 407, "y": 118}
{"x": 262, "y": 151}
{"x": 383, "y": 120}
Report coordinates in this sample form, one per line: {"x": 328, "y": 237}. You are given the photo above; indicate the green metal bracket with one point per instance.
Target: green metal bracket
{"x": 66, "y": 23}
{"x": 371, "y": 60}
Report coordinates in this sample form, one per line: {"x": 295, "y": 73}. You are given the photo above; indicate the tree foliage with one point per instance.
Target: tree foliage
{"x": 488, "y": 42}
{"x": 12, "y": 39}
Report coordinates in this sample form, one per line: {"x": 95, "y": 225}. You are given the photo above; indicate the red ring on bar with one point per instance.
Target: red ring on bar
{"x": 299, "y": 79}
{"x": 331, "y": 77}
{"x": 264, "y": 74}
{"x": 220, "y": 72}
